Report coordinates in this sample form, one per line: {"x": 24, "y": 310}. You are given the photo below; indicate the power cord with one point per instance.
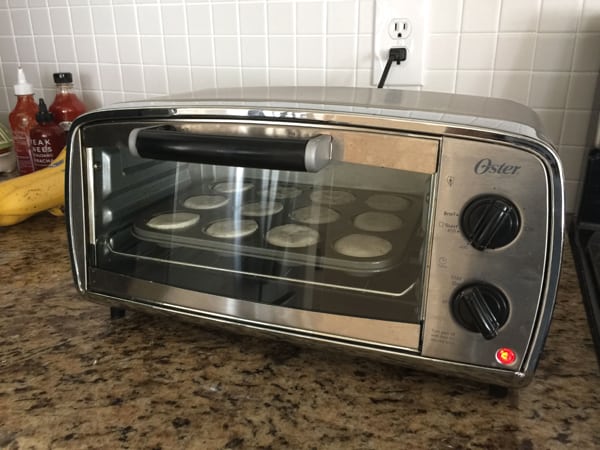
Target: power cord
{"x": 397, "y": 55}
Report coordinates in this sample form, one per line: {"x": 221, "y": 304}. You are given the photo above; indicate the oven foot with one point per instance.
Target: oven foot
{"x": 116, "y": 313}
{"x": 498, "y": 391}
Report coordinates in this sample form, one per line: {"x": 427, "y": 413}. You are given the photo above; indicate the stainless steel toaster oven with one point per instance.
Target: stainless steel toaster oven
{"x": 420, "y": 227}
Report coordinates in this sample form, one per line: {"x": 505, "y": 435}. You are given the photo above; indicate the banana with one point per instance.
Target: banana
{"x": 42, "y": 190}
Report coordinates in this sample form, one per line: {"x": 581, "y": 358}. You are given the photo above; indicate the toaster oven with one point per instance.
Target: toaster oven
{"x": 422, "y": 228}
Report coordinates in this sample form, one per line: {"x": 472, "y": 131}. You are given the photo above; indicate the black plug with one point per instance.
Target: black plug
{"x": 397, "y": 55}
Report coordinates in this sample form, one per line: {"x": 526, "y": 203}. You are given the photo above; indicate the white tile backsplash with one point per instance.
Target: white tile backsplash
{"x": 25, "y": 48}
{"x": 225, "y": 19}
{"x": 152, "y": 50}
{"x": 575, "y": 126}
{"x": 480, "y": 15}
{"x": 445, "y": 16}
{"x": 125, "y": 19}
{"x": 254, "y": 51}
{"x": 515, "y": 51}
{"x": 227, "y": 51}
{"x": 106, "y": 46}
{"x": 199, "y": 19}
{"x": 443, "y": 51}
{"x": 341, "y": 52}
{"x": 281, "y": 52}
{"x": 310, "y": 52}
{"x": 110, "y": 77}
{"x": 81, "y": 20}
{"x": 85, "y": 50}
{"x": 560, "y": 15}
{"x": 440, "y": 80}
{"x": 44, "y": 47}
{"x": 21, "y": 23}
{"x": 587, "y": 56}
{"x": 590, "y": 17}
{"x": 60, "y": 20}
{"x": 201, "y": 51}
{"x": 40, "y": 21}
{"x": 149, "y": 21}
{"x": 474, "y": 82}
{"x": 512, "y": 85}
{"x": 549, "y": 90}
{"x": 254, "y": 76}
{"x": 580, "y": 88}
{"x": 173, "y": 20}
{"x": 132, "y": 75}
{"x": 520, "y": 15}
{"x": 543, "y": 53}
{"x": 176, "y": 51}
{"x": 309, "y": 18}
{"x": 5, "y": 23}
{"x": 477, "y": 51}
{"x": 102, "y": 18}
{"x": 8, "y": 50}
{"x": 280, "y": 18}
{"x": 155, "y": 79}
{"x": 554, "y": 52}
{"x": 129, "y": 50}
{"x": 252, "y": 19}
{"x": 179, "y": 79}
{"x": 342, "y": 17}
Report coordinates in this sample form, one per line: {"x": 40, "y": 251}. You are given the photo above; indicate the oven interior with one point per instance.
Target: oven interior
{"x": 349, "y": 239}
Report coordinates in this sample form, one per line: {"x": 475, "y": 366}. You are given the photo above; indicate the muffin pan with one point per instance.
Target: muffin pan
{"x": 285, "y": 226}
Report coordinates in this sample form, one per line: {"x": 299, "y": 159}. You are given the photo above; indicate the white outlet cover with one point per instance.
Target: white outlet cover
{"x": 409, "y": 72}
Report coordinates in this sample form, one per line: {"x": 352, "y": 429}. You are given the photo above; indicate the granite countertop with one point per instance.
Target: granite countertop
{"x": 72, "y": 378}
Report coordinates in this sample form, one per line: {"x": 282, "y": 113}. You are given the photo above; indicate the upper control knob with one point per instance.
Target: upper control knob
{"x": 490, "y": 221}
{"x": 480, "y": 308}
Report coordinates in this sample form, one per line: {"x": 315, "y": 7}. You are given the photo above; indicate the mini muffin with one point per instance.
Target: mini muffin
{"x": 386, "y": 202}
{"x": 231, "y": 229}
{"x": 315, "y": 215}
{"x": 332, "y": 197}
{"x": 362, "y": 246}
{"x": 292, "y": 236}
{"x": 261, "y": 209}
{"x": 377, "y": 221}
{"x": 205, "y": 201}
{"x": 232, "y": 187}
{"x": 173, "y": 221}
{"x": 281, "y": 192}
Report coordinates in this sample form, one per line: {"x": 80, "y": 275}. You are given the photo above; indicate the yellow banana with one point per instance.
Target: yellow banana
{"x": 42, "y": 190}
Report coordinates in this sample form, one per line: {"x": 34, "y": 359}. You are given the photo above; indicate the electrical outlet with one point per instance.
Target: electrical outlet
{"x": 400, "y": 23}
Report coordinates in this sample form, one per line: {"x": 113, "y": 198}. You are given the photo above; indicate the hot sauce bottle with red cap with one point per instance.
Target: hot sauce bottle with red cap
{"x": 66, "y": 105}
{"x": 47, "y": 138}
{"x": 22, "y": 120}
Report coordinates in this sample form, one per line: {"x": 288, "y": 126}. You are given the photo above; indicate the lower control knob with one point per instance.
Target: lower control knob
{"x": 480, "y": 308}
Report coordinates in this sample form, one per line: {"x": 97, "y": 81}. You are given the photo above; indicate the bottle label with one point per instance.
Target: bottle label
{"x": 21, "y": 144}
{"x": 65, "y": 125}
{"x": 41, "y": 151}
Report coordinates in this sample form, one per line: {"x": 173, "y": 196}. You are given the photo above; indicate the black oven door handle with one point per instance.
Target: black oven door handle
{"x": 167, "y": 143}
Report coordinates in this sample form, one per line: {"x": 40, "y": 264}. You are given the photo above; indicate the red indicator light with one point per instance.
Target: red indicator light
{"x": 506, "y": 356}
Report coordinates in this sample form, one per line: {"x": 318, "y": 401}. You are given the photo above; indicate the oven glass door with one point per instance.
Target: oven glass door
{"x": 345, "y": 238}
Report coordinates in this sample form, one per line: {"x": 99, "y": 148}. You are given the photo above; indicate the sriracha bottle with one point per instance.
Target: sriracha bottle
{"x": 66, "y": 105}
{"x": 22, "y": 120}
{"x": 47, "y": 138}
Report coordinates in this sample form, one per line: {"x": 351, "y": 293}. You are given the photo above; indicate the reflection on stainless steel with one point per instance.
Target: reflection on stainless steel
{"x": 455, "y": 263}
{"x": 373, "y": 148}
{"x": 353, "y": 329}
{"x": 437, "y": 151}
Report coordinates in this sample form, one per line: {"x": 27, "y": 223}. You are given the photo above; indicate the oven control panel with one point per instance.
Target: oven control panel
{"x": 488, "y": 254}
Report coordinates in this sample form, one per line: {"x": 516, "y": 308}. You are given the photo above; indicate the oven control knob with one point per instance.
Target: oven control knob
{"x": 490, "y": 221}
{"x": 480, "y": 308}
